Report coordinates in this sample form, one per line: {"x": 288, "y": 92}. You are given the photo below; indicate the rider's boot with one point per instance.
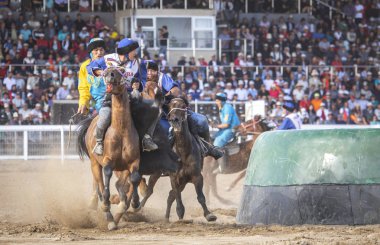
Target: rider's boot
{"x": 214, "y": 151}
{"x": 99, "y": 148}
{"x": 147, "y": 141}
{"x": 211, "y": 150}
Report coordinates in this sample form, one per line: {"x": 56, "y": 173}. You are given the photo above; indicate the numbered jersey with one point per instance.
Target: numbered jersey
{"x": 109, "y": 60}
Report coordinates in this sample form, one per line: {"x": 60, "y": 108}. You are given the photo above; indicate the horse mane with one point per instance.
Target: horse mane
{"x": 81, "y": 140}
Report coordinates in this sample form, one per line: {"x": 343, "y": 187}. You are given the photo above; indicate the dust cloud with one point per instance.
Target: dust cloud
{"x": 51, "y": 191}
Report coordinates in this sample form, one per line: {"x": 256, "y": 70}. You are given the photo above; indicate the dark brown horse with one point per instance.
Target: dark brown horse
{"x": 188, "y": 149}
{"x": 236, "y": 162}
{"x": 121, "y": 147}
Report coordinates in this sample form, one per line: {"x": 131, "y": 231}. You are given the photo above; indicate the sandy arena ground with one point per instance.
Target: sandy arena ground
{"x": 45, "y": 202}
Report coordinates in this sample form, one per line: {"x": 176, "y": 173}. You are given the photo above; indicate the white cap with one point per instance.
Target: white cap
{"x": 15, "y": 114}
{"x": 251, "y": 82}
{"x": 28, "y": 87}
{"x": 43, "y": 71}
{"x": 6, "y": 105}
{"x": 179, "y": 74}
{"x": 241, "y": 82}
{"x": 29, "y": 94}
{"x": 229, "y": 84}
{"x": 65, "y": 83}
{"x": 161, "y": 55}
{"x": 206, "y": 85}
{"x": 70, "y": 72}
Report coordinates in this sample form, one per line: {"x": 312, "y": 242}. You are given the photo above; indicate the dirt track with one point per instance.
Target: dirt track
{"x": 46, "y": 202}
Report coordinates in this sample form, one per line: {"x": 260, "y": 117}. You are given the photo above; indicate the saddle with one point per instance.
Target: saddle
{"x": 232, "y": 147}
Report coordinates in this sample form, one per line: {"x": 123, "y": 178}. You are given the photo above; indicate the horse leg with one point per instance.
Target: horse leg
{"x": 151, "y": 183}
{"x": 213, "y": 185}
{"x": 180, "y": 207}
{"x": 233, "y": 184}
{"x": 198, "y": 184}
{"x": 97, "y": 184}
{"x": 135, "y": 180}
{"x": 106, "y": 197}
{"x": 171, "y": 197}
{"x": 121, "y": 183}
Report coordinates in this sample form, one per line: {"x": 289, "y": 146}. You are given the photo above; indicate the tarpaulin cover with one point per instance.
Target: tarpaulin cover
{"x": 298, "y": 157}
{"x": 313, "y": 177}
{"x": 310, "y": 204}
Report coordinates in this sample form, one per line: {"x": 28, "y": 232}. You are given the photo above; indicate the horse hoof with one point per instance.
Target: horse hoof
{"x": 135, "y": 205}
{"x": 106, "y": 208}
{"x": 135, "y": 210}
{"x": 112, "y": 226}
{"x": 121, "y": 208}
{"x": 210, "y": 217}
{"x": 115, "y": 199}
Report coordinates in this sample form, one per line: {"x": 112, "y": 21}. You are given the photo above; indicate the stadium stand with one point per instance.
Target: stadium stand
{"x": 327, "y": 63}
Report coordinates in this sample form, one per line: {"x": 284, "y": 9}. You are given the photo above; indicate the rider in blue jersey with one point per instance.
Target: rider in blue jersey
{"x": 198, "y": 123}
{"x": 228, "y": 118}
{"x": 292, "y": 119}
{"x": 125, "y": 57}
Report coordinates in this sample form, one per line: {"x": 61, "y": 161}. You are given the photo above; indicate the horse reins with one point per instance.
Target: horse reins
{"x": 249, "y": 125}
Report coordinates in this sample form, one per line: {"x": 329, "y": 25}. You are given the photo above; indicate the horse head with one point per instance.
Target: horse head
{"x": 177, "y": 112}
{"x": 115, "y": 78}
{"x": 256, "y": 125}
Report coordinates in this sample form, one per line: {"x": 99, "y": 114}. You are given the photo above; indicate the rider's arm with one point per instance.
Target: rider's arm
{"x": 84, "y": 88}
{"x": 168, "y": 84}
{"x": 227, "y": 117}
{"x": 286, "y": 124}
{"x": 96, "y": 66}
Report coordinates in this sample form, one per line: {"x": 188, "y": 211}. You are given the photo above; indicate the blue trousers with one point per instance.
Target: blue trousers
{"x": 222, "y": 137}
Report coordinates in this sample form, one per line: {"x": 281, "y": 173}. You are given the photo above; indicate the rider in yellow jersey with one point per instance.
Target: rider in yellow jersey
{"x": 95, "y": 88}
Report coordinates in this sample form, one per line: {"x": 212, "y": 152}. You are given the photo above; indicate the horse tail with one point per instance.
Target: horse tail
{"x": 81, "y": 141}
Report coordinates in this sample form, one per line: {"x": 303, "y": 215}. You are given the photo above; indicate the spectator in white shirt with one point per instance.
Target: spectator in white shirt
{"x": 69, "y": 80}
{"x": 322, "y": 113}
{"x": 9, "y": 81}
{"x": 36, "y": 114}
{"x": 242, "y": 93}
{"x": 298, "y": 92}
{"x": 229, "y": 91}
{"x": 268, "y": 82}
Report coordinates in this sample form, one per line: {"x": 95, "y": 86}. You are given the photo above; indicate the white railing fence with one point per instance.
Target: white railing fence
{"x": 51, "y": 141}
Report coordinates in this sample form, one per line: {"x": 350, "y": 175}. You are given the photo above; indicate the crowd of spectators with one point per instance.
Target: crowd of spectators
{"x": 40, "y": 59}
{"x": 318, "y": 58}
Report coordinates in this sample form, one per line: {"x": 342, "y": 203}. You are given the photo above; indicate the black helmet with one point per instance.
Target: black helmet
{"x": 95, "y": 43}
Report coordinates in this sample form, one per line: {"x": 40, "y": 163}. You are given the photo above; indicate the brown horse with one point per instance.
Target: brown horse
{"x": 121, "y": 147}
{"x": 238, "y": 161}
{"x": 188, "y": 149}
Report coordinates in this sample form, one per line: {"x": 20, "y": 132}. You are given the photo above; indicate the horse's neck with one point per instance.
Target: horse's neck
{"x": 121, "y": 114}
{"x": 183, "y": 140}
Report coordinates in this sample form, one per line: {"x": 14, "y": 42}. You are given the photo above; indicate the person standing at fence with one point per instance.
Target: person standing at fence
{"x": 292, "y": 119}
{"x": 163, "y": 36}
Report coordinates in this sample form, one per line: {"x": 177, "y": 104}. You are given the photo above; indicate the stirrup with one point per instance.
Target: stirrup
{"x": 98, "y": 148}
{"x": 148, "y": 144}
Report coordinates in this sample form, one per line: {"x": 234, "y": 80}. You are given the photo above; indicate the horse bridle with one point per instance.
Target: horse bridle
{"x": 178, "y": 109}
{"x": 119, "y": 69}
{"x": 245, "y": 126}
